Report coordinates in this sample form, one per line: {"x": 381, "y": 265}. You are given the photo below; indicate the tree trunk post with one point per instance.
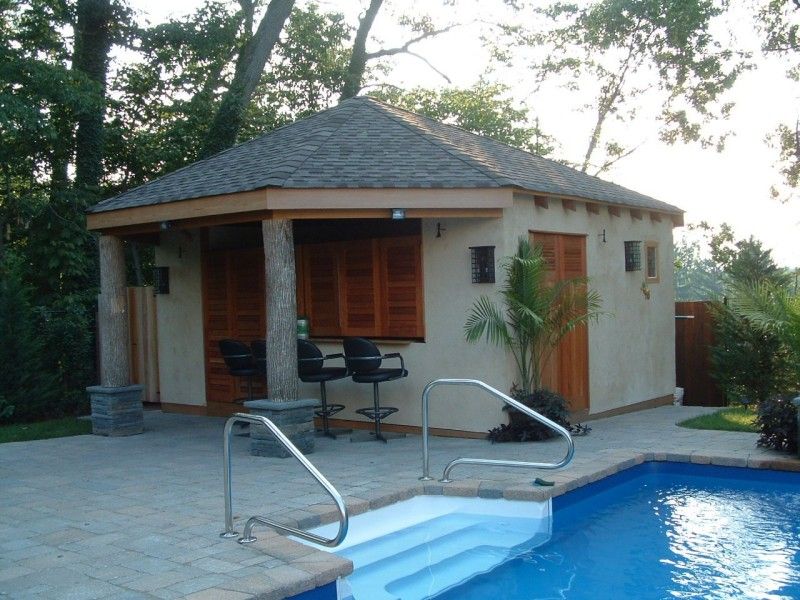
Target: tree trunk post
{"x": 116, "y": 404}
{"x": 293, "y": 416}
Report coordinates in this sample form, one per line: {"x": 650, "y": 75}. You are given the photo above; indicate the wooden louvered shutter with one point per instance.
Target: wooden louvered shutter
{"x": 219, "y": 384}
{"x": 548, "y": 243}
{"x": 234, "y": 305}
{"x": 401, "y": 287}
{"x": 320, "y": 289}
{"x": 358, "y": 288}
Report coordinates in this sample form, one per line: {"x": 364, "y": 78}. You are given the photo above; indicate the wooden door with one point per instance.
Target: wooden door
{"x": 234, "y": 307}
{"x": 567, "y": 371}
{"x": 694, "y": 336}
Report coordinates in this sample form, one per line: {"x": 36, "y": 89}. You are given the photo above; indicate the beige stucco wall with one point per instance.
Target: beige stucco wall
{"x": 631, "y": 349}
{"x": 180, "y": 320}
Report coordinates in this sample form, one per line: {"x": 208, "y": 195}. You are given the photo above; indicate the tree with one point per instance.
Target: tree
{"x": 535, "y": 316}
{"x": 421, "y": 26}
{"x": 252, "y": 58}
{"x": 779, "y": 21}
{"x": 624, "y": 48}
{"x": 484, "y": 109}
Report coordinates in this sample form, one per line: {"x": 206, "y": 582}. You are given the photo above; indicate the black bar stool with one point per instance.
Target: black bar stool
{"x": 364, "y": 361}
{"x": 239, "y": 360}
{"x": 310, "y": 369}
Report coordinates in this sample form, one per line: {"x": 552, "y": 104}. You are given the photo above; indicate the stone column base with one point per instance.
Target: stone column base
{"x": 116, "y": 411}
{"x": 295, "y": 419}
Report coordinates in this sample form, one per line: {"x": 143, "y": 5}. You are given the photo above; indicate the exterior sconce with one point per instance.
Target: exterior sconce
{"x": 482, "y": 264}
{"x": 398, "y": 213}
{"x": 161, "y": 280}
{"x": 633, "y": 256}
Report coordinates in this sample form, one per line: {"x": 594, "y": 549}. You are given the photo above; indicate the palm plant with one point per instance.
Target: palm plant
{"x": 773, "y": 308}
{"x": 535, "y": 316}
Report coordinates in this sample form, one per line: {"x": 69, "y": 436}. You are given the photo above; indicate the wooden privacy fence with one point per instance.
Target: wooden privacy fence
{"x": 144, "y": 341}
{"x": 694, "y": 336}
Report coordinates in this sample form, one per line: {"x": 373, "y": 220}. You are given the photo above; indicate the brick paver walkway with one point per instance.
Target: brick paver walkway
{"x": 139, "y": 517}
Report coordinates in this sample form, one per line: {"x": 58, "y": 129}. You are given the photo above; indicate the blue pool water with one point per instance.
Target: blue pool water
{"x": 661, "y": 531}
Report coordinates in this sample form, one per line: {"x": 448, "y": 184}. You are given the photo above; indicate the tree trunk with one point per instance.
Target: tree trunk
{"x": 250, "y": 65}
{"x": 113, "y": 314}
{"x": 282, "y": 380}
{"x": 358, "y": 57}
{"x": 92, "y": 44}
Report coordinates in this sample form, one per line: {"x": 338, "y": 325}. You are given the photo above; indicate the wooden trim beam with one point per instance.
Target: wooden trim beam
{"x": 541, "y": 201}
{"x": 592, "y": 209}
{"x": 655, "y": 217}
{"x": 174, "y": 211}
{"x": 568, "y": 204}
{"x": 383, "y": 213}
{"x": 636, "y": 214}
{"x": 614, "y": 211}
{"x": 677, "y": 220}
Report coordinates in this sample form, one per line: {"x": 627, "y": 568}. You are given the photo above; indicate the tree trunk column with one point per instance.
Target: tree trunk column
{"x": 293, "y": 416}
{"x": 116, "y": 404}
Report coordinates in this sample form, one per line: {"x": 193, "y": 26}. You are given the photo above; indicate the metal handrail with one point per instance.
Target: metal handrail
{"x": 485, "y": 461}
{"x": 247, "y": 536}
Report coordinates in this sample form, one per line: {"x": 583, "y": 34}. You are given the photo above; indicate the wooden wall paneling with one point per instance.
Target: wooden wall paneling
{"x": 401, "y": 287}
{"x": 321, "y": 288}
{"x": 358, "y": 288}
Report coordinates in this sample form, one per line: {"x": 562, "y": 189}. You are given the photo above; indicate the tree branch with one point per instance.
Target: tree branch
{"x": 404, "y": 48}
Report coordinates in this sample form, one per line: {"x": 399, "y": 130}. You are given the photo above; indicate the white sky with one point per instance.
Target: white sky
{"x": 732, "y": 186}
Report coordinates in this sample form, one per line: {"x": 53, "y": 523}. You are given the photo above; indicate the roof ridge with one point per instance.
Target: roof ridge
{"x": 435, "y": 141}
{"x": 311, "y": 153}
{"x": 484, "y": 138}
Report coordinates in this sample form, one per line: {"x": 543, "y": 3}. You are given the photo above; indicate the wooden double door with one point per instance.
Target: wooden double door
{"x": 567, "y": 371}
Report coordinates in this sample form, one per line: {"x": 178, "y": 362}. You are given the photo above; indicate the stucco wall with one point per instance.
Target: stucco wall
{"x": 180, "y": 320}
{"x": 631, "y": 349}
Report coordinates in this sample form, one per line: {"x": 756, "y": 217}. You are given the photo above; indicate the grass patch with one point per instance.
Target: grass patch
{"x": 24, "y": 432}
{"x": 738, "y": 418}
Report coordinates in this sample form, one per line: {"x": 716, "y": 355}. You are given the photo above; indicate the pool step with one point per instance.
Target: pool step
{"x": 431, "y": 557}
{"x": 395, "y": 543}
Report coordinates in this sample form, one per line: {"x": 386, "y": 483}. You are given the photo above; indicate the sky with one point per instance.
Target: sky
{"x": 731, "y": 186}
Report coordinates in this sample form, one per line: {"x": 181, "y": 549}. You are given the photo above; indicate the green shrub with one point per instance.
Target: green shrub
{"x": 521, "y": 428}
{"x": 748, "y": 362}
{"x": 28, "y": 386}
{"x": 777, "y": 420}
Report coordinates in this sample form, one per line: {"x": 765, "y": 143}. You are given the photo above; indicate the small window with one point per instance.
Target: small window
{"x": 482, "y": 264}
{"x": 651, "y": 261}
{"x": 633, "y": 256}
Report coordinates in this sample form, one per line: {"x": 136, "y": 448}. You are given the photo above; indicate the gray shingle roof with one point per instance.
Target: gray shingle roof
{"x": 365, "y": 143}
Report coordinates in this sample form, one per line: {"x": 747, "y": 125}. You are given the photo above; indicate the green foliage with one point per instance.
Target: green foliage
{"x": 521, "y": 427}
{"x": 44, "y": 430}
{"x": 484, "y": 109}
{"x": 535, "y": 315}
{"x": 739, "y": 418}
{"x": 626, "y": 48}
{"x": 696, "y": 278}
{"x": 777, "y": 420}
{"x": 748, "y": 360}
{"x": 28, "y": 387}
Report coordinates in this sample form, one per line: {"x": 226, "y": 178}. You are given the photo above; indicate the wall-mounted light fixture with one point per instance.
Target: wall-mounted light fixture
{"x": 633, "y": 256}
{"x": 398, "y": 213}
{"x": 439, "y": 230}
{"x": 161, "y": 280}
{"x": 165, "y": 225}
{"x": 482, "y": 264}
{"x": 602, "y": 236}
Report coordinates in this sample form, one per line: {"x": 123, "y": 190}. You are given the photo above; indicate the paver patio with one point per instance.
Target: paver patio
{"x": 139, "y": 517}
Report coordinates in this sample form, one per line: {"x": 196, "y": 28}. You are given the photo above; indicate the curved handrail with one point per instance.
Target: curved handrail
{"x": 247, "y": 536}
{"x": 485, "y": 461}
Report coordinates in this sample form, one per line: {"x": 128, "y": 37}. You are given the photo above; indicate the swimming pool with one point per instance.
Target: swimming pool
{"x": 657, "y": 530}
{"x": 662, "y": 530}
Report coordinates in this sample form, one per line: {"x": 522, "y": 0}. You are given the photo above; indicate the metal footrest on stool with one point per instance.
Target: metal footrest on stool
{"x": 329, "y": 410}
{"x": 379, "y": 414}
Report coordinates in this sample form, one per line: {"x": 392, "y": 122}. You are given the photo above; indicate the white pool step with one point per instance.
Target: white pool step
{"x": 448, "y": 556}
